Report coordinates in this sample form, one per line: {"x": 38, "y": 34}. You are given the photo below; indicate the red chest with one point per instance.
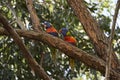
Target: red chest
{"x": 70, "y": 39}
{"x": 51, "y": 29}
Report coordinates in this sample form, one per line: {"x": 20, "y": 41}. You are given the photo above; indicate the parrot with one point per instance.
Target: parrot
{"x": 52, "y": 31}
{"x": 70, "y": 39}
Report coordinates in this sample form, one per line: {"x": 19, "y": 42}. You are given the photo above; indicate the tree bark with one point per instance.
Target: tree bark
{"x": 33, "y": 15}
{"x": 71, "y": 51}
{"x": 99, "y": 40}
{"x": 31, "y": 61}
{"x": 91, "y": 27}
{"x": 35, "y": 23}
{"x": 109, "y": 54}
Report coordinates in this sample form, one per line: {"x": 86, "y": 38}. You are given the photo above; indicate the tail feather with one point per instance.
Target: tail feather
{"x": 54, "y": 55}
{"x": 72, "y": 64}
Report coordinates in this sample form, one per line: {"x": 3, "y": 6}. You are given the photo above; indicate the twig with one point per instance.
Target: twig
{"x": 109, "y": 54}
{"x": 18, "y": 20}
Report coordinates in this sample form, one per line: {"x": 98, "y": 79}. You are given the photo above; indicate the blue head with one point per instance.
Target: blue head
{"x": 47, "y": 24}
{"x": 64, "y": 31}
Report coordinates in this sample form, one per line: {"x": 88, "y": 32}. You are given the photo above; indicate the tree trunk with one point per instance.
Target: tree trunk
{"x": 99, "y": 40}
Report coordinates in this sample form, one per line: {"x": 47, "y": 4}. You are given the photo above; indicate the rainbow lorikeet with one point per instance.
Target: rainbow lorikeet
{"x": 51, "y": 30}
{"x": 70, "y": 39}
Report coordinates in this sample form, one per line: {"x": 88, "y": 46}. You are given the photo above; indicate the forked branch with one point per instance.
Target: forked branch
{"x": 30, "y": 60}
{"x": 109, "y": 54}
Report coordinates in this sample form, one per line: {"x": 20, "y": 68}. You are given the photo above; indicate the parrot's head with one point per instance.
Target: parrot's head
{"x": 47, "y": 24}
{"x": 64, "y": 31}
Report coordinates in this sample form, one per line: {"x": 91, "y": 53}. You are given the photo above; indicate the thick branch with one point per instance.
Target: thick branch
{"x": 35, "y": 22}
{"x": 68, "y": 49}
{"x": 31, "y": 61}
{"x": 91, "y": 27}
{"x": 33, "y": 15}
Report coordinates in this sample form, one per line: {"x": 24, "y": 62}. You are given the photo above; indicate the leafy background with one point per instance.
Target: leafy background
{"x": 12, "y": 64}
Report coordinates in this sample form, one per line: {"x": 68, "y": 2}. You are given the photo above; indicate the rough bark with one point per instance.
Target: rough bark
{"x": 109, "y": 55}
{"x": 31, "y": 61}
{"x": 99, "y": 40}
{"x": 35, "y": 22}
{"x": 72, "y": 51}
{"x": 33, "y": 15}
{"x": 91, "y": 27}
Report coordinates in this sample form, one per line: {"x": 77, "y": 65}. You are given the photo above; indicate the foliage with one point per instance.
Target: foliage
{"x": 12, "y": 64}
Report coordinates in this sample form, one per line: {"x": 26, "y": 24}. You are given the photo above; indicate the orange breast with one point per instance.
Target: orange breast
{"x": 51, "y": 29}
{"x": 70, "y": 39}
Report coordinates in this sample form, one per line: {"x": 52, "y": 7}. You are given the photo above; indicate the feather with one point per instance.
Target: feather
{"x": 70, "y": 39}
{"x": 72, "y": 64}
{"x": 52, "y": 31}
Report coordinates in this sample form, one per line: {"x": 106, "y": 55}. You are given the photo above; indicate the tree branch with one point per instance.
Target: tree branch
{"x": 33, "y": 15}
{"x": 99, "y": 40}
{"x": 31, "y": 61}
{"x": 109, "y": 54}
{"x": 69, "y": 50}
{"x": 19, "y": 22}
{"x": 35, "y": 22}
